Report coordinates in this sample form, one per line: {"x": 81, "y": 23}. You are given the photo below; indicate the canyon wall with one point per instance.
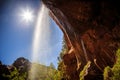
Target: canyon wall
{"x": 92, "y": 33}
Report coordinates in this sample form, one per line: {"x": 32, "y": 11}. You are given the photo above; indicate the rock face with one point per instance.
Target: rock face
{"x": 92, "y": 33}
{"x": 22, "y": 64}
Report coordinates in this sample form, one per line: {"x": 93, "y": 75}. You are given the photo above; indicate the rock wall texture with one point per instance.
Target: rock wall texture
{"x": 92, "y": 33}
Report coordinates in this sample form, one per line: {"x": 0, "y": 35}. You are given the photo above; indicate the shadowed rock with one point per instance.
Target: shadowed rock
{"x": 92, "y": 30}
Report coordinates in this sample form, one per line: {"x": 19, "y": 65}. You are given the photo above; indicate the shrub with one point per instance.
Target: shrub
{"x": 114, "y": 72}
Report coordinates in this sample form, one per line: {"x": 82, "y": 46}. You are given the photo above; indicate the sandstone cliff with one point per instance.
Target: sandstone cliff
{"x": 92, "y": 33}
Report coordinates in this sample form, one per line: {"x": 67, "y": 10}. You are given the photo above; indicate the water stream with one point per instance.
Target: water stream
{"x": 42, "y": 34}
{"x": 41, "y": 39}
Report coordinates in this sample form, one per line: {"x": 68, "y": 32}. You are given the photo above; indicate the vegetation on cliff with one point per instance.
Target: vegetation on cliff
{"x": 20, "y": 70}
{"x": 84, "y": 72}
{"x": 114, "y": 72}
{"x": 109, "y": 73}
{"x": 61, "y": 70}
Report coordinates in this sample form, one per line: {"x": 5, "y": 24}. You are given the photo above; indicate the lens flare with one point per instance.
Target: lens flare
{"x": 27, "y": 15}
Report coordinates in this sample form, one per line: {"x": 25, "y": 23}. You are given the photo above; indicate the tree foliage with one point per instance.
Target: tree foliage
{"x": 21, "y": 71}
{"x": 84, "y": 72}
{"x": 114, "y": 72}
{"x": 15, "y": 75}
{"x": 61, "y": 72}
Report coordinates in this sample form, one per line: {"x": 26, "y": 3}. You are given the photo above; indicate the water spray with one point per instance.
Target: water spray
{"x": 40, "y": 39}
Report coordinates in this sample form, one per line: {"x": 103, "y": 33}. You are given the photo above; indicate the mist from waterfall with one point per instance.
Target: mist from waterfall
{"x": 42, "y": 34}
{"x": 41, "y": 39}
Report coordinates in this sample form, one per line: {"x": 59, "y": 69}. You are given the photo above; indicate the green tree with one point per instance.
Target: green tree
{"x": 41, "y": 72}
{"x": 61, "y": 72}
{"x": 52, "y": 66}
{"x": 84, "y": 72}
{"x": 15, "y": 75}
{"x": 114, "y": 72}
{"x": 57, "y": 75}
{"x": 107, "y": 73}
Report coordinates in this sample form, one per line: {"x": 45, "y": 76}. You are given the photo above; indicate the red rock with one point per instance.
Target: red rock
{"x": 97, "y": 24}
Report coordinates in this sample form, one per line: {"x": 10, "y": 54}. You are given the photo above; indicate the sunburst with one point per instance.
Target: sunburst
{"x": 27, "y": 15}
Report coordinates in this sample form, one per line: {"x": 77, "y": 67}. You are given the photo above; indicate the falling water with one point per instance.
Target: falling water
{"x": 41, "y": 38}
{"x": 41, "y": 33}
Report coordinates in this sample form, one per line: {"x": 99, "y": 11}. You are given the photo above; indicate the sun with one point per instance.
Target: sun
{"x": 27, "y": 15}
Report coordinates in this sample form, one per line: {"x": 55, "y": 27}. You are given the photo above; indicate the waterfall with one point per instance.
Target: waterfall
{"x": 41, "y": 39}
{"x": 41, "y": 34}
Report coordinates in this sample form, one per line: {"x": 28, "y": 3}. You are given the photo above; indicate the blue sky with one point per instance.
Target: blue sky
{"x": 16, "y": 36}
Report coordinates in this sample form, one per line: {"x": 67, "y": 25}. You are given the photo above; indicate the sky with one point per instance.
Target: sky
{"x": 16, "y": 34}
